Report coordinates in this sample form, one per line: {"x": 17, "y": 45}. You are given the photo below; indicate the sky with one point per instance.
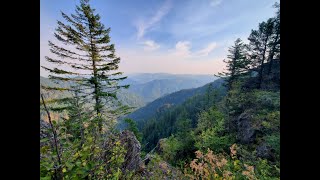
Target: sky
{"x": 165, "y": 36}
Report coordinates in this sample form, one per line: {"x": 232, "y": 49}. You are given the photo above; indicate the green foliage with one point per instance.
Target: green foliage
{"x": 264, "y": 45}
{"x": 167, "y": 102}
{"x": 210, "y": 139}
{"x": 210, "y": 118}
{"x": 238, "y": 100}
{"x": 83, "y": 142}
{"x": 267, "y": 99}
{"x": 211, "y": 121}
{"x": 115, "y": 161}
{"x": 237, "y": 63}
{"x": 93, "y": 62}
{"x": 159, "y": 169}
{"x": 166, "y": 123}
{"x": 264, "y": 170}
{"x": 274, "y": 141}
{"x": 178, "y": 148}
{"x": 84, "y": 158}
{"x": 211, "y": 130}
{"x": 132, "y": 126}
{"x": 170, "y": 147}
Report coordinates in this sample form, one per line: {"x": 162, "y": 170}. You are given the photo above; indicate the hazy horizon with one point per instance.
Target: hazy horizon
{"x": 137, "y": 73}
{"x": 165, "y": 36}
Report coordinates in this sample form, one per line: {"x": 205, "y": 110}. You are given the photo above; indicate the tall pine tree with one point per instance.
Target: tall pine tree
{"x": 88, "y": 59}
{"x": 275, "y": 39}
{"x": 237, "y": 62}
{"x": 259, "y": 43}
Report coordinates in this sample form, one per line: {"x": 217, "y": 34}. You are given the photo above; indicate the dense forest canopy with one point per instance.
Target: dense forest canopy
{"x": 94, "y": 127}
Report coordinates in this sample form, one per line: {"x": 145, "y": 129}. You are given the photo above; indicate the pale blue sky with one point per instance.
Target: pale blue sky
{"x": 172, "y": 36}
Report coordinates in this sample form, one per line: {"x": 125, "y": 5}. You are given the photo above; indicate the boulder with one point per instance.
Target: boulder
{"x": 156, "y": 168}
{"x": 159, "y": 147}
{"x": 266, "y": 152}
{"x": 245, "y": 132}
{"x": 132, "y": 145}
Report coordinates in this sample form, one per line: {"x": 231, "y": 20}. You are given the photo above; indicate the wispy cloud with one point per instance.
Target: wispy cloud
{"x": 151, "y": 62}
{"x": 143, "y": 26}
{"x": 183, "y": 50}
{"x": 205, "y": 51}
{"x": 169, "y": 36}
{"x": 214, "y": 3}
{"x": 150, "y": 45}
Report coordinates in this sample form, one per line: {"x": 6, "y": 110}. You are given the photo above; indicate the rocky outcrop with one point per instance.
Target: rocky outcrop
{"x": 156, "y": 168}
{"x": 132, "y": 145}
{"x": 159, "y": 147}
{"x": 266, "y": 152}
{"x": 271, "y": 79}
{"x": 44, "y": 126}
{"x": 164, "y": 107}
{"x": 245, "y": 131}
{"x": 151, "y": 167}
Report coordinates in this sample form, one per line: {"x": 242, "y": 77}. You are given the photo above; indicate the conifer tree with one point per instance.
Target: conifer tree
{"x": 275, "y": 39}
{"x": 259, "y": 43}
{"x": 237, "y": 62}
{"x": 88, "y": 59}
{"x": 77, "y": 117}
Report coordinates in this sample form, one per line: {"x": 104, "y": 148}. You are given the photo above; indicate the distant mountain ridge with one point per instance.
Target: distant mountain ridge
{"x": 151, "y": 86}
{"x": 170, "y": 100}
{"x": 126, "y": 97}
{"x": 146, "y": 87}
{"x": 140, "y": 78}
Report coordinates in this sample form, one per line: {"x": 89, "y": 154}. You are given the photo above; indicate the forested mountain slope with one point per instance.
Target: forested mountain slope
{"x": 151, "y": 86}
{"x": 163, "y": 122}
{"x": 227, "y": 129}
{"x": 244, "y": 123}
{"x": 169, "y": 101}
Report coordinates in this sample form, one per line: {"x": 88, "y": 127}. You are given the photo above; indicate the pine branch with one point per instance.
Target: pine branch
{"x": 76, "y": 23}
{"x": 64, "y": 53}
{"x": 65, "y": 79}
{"x": 54, "y": 88}
{"x": 56, "y": 61}
{"x": 51, "y": 101}
{"x": 59, "y": 71}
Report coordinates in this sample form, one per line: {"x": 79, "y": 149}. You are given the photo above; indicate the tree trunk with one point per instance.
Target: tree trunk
{"x": 95, "y": 76}
{"x": 262, "y": 63}
{"x": 58, "y": 171}
{"x": 272, "y": 52}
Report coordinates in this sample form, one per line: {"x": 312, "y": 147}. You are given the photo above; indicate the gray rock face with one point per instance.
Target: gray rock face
{"x": 159, "y": 147}
{"x": 246, "y": 133}
{"x": 133, "y": 147}
{"x": 147, "y": 159}
{"x": 159, "y": 169}
{"x": 44, "y": 126}
{"x": 266, "y": 152}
